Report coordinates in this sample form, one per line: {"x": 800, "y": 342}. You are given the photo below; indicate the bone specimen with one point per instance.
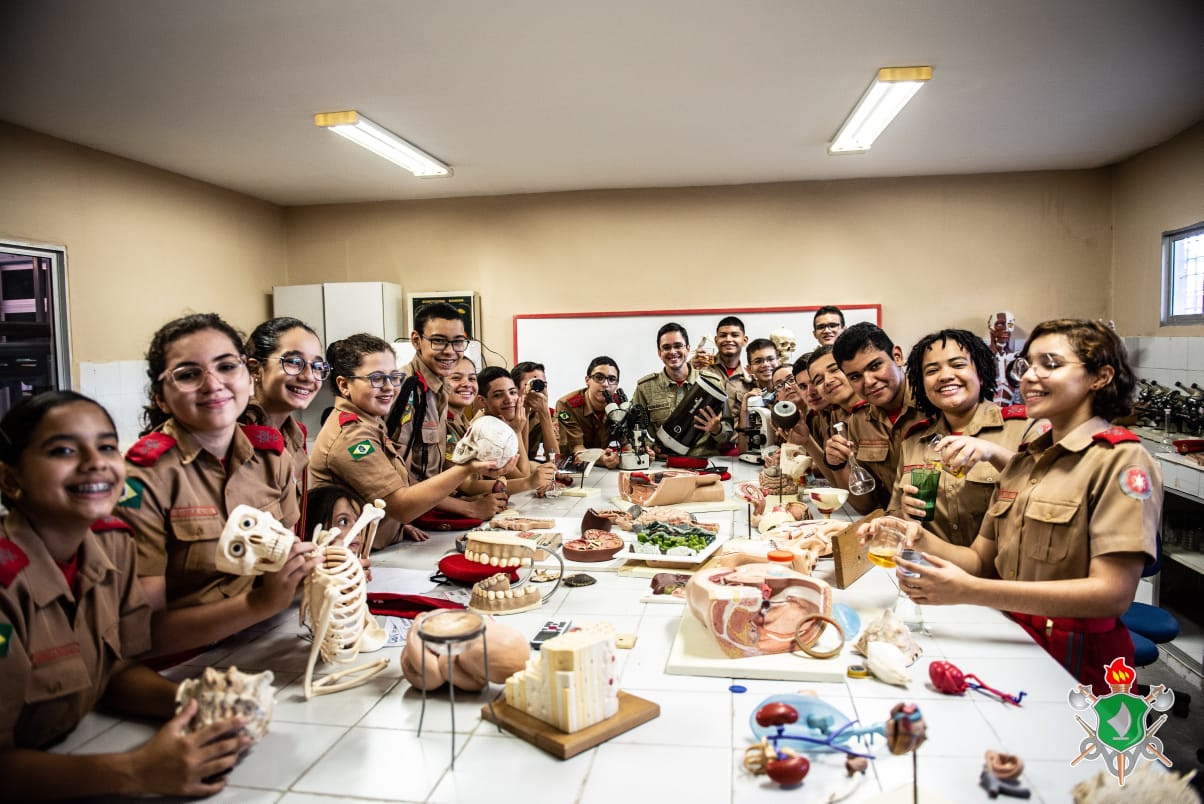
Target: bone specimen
{"x": 889, "y": 628}
{"x": 488, "y": 439}
{"x": 572, "y": 681}
{"x": 225, "y": 694}
{"x": 334, "y": 600}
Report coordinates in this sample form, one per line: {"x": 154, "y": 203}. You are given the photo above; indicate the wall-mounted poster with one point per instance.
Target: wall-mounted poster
{"x": 466, "y": 302}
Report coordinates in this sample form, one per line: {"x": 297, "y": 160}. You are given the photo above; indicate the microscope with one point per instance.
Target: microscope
{"x": 764, "y": 415}
{"x": 630, "y": 426}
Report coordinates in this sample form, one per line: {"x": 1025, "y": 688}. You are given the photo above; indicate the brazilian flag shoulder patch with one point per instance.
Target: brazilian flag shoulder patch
{"x": 131, "y": 494}
{"x": 6, "y": 638}
{"x": 564, "y": 416}
{"x": 361, "y": 450}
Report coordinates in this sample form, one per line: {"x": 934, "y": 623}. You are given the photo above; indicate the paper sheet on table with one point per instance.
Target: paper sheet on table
{"x": 397, "y": 629}
{"x": 400, "y": 581}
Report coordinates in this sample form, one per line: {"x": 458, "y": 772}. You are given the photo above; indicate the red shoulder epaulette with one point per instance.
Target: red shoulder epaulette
{"x": 858, "y": 406}
{"x": 264, "y": 438}
{"x": 304, "y": 432}
{"x": 917, "y": 426}
{"x": 12, "y": 561}
{"x": 111, "y": 523}
{"x": 1014, "y": 412}
{"x": 576, "y": 401}
{"x": 149, "y": 449}
{"x": 346, "y": 418}
{"x": 1116, "y": 435}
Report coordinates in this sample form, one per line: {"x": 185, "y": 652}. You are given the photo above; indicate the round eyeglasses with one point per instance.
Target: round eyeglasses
{"x": 378, "y": 379}
{"x": 191, "y": 377}
{"x": 294, "y": 366}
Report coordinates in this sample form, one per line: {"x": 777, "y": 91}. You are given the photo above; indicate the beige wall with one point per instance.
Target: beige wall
{"x": 1154, "y": 192}
{"x": 143, "y": 245}
{"x": 940, "y": 251}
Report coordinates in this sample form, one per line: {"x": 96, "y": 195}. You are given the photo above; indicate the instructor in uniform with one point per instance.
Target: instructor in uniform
{"x": 661, "y": 392}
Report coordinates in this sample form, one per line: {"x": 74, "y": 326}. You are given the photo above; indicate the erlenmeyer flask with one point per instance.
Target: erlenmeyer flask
{"x": 860, "y": 481}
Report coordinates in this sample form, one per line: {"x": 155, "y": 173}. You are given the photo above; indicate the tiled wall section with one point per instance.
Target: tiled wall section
{"x": 1167, "y": 360}
{"x": 121, "y": 388}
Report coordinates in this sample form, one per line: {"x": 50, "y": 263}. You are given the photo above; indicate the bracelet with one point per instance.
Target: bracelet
{"x": 807, "y": 649}
{"x": 835, "y": 467}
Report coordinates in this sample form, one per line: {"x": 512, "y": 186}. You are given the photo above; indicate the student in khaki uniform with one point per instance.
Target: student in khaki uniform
{"x": 730, "y": 341}
{"x": 829, "y": 399}
{"x": 582, "y": 413}
{"x": 418, "y": 422}
{"x": 1075, "y": 516}
{"x": 193, "y": 465}
{"x": 285, "y": 359}
{"x": 827, "y": 324}
{"x": 763, "y": 361}
{"x": 956, "y": 374}
{"x": 72, "y": 617}
{"x": 461, "y": 397}
{"x": 354, "y": 448}
{"x": 661, "y": 392}
{"x": 873, "y": 365}
{"x": 532, "y": 382}
{"x": 498, "y": 397}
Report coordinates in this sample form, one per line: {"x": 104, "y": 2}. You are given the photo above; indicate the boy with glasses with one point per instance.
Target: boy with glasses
{"x": 418, "y": 420}
{"x": 661, "y": 392}
{"x": 827, "y": 324}
{"x": 582, "y": 413}
{"x": 763, "y": 361}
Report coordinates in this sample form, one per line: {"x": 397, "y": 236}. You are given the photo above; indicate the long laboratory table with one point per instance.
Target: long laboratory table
{"x": 362, "y": 744}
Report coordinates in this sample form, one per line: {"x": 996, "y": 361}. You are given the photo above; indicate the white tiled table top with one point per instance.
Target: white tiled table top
{"x": 363, "y": 744}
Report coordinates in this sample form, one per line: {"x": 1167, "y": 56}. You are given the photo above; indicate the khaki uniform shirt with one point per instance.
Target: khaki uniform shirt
{"x": 294, "y": 436}
{"x": 64, "y": 644}
{"x": 661, "y": 396}
{"x": 177, "y": 497}
{"x": 879, "y": 442}
{"x": 457, "y": 427}
{"x": 737, "y": 386}
{"x": 961, "y": 502}
{"x": 353, "y": 450}
{"x": 1095, "y": 492}
{"x": 535, "y": 434}
{"x": 426, "y": 459}
{"x": 581, "y": 426}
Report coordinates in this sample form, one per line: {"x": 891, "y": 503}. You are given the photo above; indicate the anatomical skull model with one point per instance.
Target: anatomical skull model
{"x": 785, "y": 342}
{"x": 488, "y": 439}
{"x": 334, "y": 601}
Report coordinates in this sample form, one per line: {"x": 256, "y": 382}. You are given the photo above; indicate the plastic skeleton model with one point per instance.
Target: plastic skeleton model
{"x": 334, "y": 601}
{"x": 785, "y": 342}
{"x": 225, "y": 694}
{"x": 1000, "y": 327}
{"x": 631, "y": 427}
{"x": 506, "y": 551}
{"x": 488, "y": 439}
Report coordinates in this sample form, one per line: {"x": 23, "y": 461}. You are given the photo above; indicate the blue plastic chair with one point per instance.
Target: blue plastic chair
{"x": 1150, "y": 626}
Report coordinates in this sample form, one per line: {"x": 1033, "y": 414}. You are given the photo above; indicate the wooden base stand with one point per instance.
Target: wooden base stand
{"x": 633, "y": 711}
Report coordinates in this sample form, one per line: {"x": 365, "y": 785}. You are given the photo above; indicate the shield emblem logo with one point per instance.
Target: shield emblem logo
{"x": 1121, "y": 720}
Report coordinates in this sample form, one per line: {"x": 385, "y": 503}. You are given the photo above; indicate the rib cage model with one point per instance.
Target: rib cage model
{"x": 334, "y": 600}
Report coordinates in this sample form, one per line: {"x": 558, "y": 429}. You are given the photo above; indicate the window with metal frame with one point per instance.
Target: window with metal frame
{"x": 1183, "y": 275}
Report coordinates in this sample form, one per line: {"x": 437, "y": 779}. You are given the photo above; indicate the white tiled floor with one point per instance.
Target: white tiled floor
{"x": 363, "y": 744}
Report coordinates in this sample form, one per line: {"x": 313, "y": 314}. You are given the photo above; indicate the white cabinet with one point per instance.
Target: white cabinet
{"x": 336, "y": 310}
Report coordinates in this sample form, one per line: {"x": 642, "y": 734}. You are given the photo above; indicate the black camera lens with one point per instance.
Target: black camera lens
{"x": 537, "y": 385}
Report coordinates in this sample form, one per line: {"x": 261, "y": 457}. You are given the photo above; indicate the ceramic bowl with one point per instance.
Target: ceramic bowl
{"x": 594, "y": 545}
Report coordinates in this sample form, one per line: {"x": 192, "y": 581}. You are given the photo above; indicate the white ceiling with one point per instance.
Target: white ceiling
{"x": 524, "y": 96}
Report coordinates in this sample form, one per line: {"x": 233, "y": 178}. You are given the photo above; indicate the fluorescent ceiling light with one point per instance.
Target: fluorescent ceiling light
{"x": 884, "y": 99}
{"x": 381, "y": 142}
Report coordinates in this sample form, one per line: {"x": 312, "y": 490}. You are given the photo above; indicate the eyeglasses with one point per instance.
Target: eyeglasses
{"x": 763, "y": 361}
{"x": 821, "y": 327}
{"x": 1046, "y": 364}
{"x": 439, "y": 344}
{"x": 789, "y": 382}
{"x": 674, "y": 347}
{"x": 377, "y": 379}
{"x": 192, "y": 377}
{"x": 294, "y": 366}
{"x": 605, "y": 379}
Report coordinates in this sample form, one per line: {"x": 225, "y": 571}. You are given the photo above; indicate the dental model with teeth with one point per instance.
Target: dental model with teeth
{"x": 287, "y": 366}
{"x": 976, "y": 437}
{"x": 193, "y": 464}
{"x": 1075, "y": 515}
{"x": 70, "y": 601}
{"x": 354, "y": 449}
{"x": 873, "y": 365}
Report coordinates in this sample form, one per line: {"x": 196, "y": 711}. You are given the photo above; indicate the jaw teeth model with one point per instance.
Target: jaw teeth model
{"x": 498, "y": 550}
{"x": 494, "y": 596}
